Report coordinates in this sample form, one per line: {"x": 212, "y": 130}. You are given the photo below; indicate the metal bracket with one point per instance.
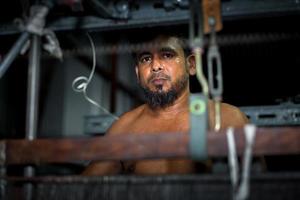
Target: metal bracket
{"x": 198, "y": 126}
{"x": 36, "y": 22}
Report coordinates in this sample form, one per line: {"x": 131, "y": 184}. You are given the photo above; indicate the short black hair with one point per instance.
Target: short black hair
{"x": 141, "y": 38}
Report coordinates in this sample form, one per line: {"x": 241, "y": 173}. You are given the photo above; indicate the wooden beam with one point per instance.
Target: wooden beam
{"x": 268, "y": 141}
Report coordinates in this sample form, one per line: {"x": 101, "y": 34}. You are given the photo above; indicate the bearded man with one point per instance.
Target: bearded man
{"x": 163, "y": 72}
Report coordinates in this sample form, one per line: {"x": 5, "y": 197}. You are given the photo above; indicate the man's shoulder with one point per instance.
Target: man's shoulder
{"x": 233, "y": 115}
{"x": 125, "y": 120}
{"x": 231, "y": 109}
{"x": 131, "y": 115}
{"x": 230, "y": 115}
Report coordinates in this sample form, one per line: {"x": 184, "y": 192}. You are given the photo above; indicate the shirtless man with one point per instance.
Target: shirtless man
{"x": 163, "y": 73}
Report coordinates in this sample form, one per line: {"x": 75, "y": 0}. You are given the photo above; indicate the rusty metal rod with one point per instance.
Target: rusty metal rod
{"x": 268, "y": 141}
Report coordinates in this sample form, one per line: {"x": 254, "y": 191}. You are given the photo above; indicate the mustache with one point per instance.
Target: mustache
{"x": 158, "y": 76}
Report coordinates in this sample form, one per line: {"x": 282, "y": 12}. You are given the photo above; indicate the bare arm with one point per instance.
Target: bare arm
{"x": 100, "y": 168}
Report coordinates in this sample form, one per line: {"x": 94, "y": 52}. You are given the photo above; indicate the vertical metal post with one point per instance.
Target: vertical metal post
{"x": 33, "y": 88}
{"x": 32, "y": 103}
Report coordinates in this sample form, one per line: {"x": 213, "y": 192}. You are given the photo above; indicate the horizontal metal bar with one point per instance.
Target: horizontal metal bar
{"x": 147, "y": 16}
{"x": 276, "y": 115}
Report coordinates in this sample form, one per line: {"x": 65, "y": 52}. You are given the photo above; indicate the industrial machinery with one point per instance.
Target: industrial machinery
{"x": 246, "y": 54}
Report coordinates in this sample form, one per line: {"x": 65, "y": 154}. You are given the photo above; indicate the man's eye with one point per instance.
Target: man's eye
{"x": 167, "y": 55}
{"x": 145, "y": 59}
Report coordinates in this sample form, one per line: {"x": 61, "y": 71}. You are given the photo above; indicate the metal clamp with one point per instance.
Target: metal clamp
{"x": 214, "y": 77}
{"x": 215, "y": 73}
{"x": 198, "y": 126}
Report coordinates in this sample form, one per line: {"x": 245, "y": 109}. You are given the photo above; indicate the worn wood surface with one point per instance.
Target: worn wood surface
{"x": 212, "y": 8}
{"x": 268, "y": 141}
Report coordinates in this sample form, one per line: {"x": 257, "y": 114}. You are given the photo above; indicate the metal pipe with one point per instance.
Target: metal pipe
{"x": 33, "y": 88}
{"x": 28, "y": 187}
{"x": 32, "y": 103}
{"x": 13, "y": 52}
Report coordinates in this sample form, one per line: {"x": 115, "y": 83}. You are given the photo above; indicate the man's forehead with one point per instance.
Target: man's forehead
{"x": 166, "y": 39}
{"x": 162, "y": 42}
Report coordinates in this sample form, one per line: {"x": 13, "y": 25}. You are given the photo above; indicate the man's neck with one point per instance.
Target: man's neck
{"x": 180, "y": 105}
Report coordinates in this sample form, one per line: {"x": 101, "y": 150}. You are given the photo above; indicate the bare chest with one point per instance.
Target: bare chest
{"x": 150, "y": 125}
{"x": 161, "y": 166}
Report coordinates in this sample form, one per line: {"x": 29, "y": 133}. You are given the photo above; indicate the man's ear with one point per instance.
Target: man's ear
{"x": 191, "y": 63}
{"x": 137, "y": 73}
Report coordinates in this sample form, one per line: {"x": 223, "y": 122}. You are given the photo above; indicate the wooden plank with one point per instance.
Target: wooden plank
{"x": 126, "y": 147}
{"x": 268, "y": 141}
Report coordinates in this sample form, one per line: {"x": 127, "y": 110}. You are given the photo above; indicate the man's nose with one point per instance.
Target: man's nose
{"x": 157, "y": 65}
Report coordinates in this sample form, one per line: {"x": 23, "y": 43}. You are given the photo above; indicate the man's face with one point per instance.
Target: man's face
{"x": 162, "y": 71}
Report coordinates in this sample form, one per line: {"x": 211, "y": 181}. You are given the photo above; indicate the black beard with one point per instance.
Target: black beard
{"x": 161, "y": 99}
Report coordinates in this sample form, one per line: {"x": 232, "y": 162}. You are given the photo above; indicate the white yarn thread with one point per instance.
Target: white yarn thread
{"x": 240, "y": 191}
{"x": 243, "y": 191}
{"x": 82, "y": 87}
{"x": 232, "y": 159}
